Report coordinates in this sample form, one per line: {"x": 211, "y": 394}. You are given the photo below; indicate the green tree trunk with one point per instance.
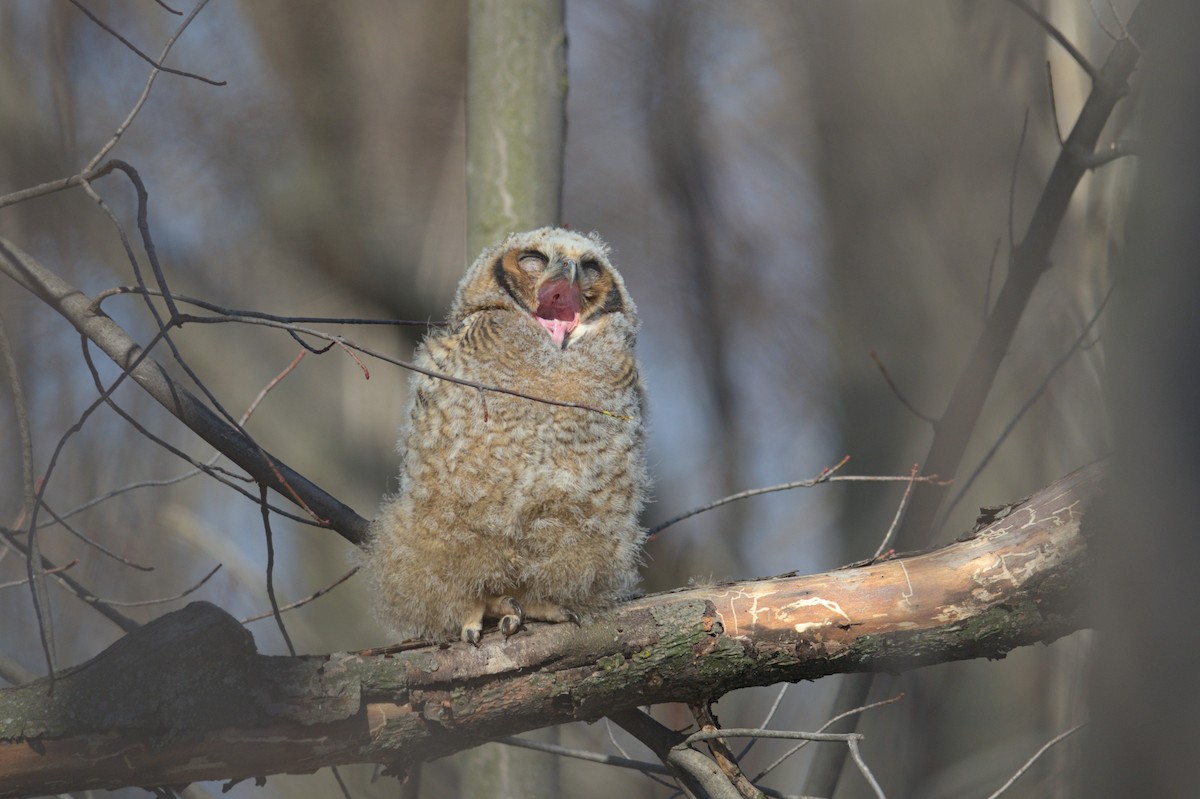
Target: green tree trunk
{"x": 516, "y": 131}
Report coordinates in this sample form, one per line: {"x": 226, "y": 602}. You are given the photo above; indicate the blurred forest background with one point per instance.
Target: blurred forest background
{"x": 786, "y": 186}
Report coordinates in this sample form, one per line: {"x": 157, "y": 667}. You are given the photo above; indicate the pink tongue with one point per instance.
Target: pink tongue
{"x": 558, "y": 329}
{"x": 558, "y": 309}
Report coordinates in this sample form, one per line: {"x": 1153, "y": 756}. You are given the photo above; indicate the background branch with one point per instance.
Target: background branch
{"x": 79, "y": 310}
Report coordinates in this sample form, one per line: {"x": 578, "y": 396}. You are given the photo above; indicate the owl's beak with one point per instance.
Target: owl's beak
{"x": 559, "y": 300}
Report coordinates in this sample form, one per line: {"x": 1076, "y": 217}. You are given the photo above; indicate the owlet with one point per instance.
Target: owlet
{"x": 509, "y": 507}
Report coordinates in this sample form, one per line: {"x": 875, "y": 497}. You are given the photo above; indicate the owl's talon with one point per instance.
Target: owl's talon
{"x": 572, "y": 617}
{"x": 510, "y": 625}
{"x": 472, "y": 635}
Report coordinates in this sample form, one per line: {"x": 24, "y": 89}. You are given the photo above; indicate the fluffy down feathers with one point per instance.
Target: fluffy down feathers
{"x": 508, "y": 507}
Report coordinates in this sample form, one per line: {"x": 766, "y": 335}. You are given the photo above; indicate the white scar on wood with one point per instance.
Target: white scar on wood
{"x": 732, "y": 622}
{"x": 906, "y": 596}
{"x": 754, "y": 608}
{"x": 814, "y": 601}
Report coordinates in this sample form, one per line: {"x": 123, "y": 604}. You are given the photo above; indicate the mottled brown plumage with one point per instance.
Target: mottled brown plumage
{"x": 510, "y": 508}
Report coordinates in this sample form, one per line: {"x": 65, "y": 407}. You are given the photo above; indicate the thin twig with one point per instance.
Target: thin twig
{"x": 31, "y": 496}
{"x": 826, "y": 476}
{"x": 210, "y": 463}
{"x": 276, "y": 380}
{"x": 341, "y": 783}
{"x": 266, "y": 517}
{"x": 345, "y": 342}
{"x": 1059, "y": 37}
{"x": 987, "y": 288}
{"x": 1114, "y": 151}
{"x": 74, "y": 306}
{"x": 223, "y": 476}
{"x": 300, "y": 602}
{"x": 96, "y": 545}
{"x": 1037, "y": 393}
{"x": 63, "y": 568}
{"x": 591, "y": 757}
{"x": 721, "y": 753}
{"x": 862, "y": 767}
{"x": 756, "y": 732}
{"x": 924, "y": 417}
{"x": 779, "y": 762}
{"x": 1100, "y": 22}
{"x": 1053, "y": 104}
{"x": 271, "y": 321}
{"x": 140, "y": 54}
{"x": 613, "y": 740}
{"x": 137, "y": 106}
{"x": 55, "y": 185}
{"x": 765, "y": 722}
{"x": 296, "y": 320}
{"x": 696, "y": 774}
{"x": 1012, "y": 187}
{"x": 891, "y": 532}
{"x": 74, "y": 586}
{"x": 1033, "y": 759}
{"x": 145, "y": 602}
{"x": 851, "y": 739}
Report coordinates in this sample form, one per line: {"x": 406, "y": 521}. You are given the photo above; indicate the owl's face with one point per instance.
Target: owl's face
{"x": 561, "y": 280}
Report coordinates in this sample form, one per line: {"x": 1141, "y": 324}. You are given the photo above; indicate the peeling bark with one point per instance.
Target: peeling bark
{"x": 187, "y": 697}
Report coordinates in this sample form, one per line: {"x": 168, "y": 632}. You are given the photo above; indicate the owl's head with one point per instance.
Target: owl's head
{"x": 560, "y": 279}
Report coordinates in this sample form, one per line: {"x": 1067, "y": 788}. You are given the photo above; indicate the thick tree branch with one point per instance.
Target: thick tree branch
{"x": 188, "y": 697}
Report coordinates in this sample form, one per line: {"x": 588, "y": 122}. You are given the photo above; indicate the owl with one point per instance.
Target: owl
{"x": 510, "y": 507}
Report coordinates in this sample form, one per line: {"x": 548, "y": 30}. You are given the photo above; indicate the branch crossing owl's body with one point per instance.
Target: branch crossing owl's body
{"x": 508, "y": 507}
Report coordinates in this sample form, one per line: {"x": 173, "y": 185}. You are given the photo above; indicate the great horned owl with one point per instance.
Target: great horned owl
{"x": 507, "y": 507}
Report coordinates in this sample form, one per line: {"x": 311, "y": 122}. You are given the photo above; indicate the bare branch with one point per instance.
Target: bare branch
{"x": 55, "y": 185}
{"x": 96, "y": 545}
{"x": 891, "y": 531}
{"x": 779, "y": 762}
{"x": 697, "y": 775}
{"x": 721, "y": 753}
{"x": 924, "y": 417}
{"x": 826, "y": 476}
{"x": 63, "y": 568}
{"x": 591, "y": 757}
{"x": 137, "y": 106}
{"x": 300, "y": 602}
{"x": 266, "y": 517}
{"x": 1036, "y": 394}
{"x": 156, "y": 64}
{"x": 146, "y": 602}
{"x": 1012, "y": 186}
{"x": 74, "y": 306}
{"x": 75, "y": 587}
{"x": 1053, "y": 104}
{"x": 1046, "y": 746}
{"x": 30, "y": 499}
{"x": 1059, "y": 37}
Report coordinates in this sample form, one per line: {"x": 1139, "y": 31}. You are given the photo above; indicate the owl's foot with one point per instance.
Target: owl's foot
{"x": 472, "y": 628}
{"x": 510, "y": 612}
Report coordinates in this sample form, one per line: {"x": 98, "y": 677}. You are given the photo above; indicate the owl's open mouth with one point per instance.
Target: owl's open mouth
{"x": 558, "y": 308}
